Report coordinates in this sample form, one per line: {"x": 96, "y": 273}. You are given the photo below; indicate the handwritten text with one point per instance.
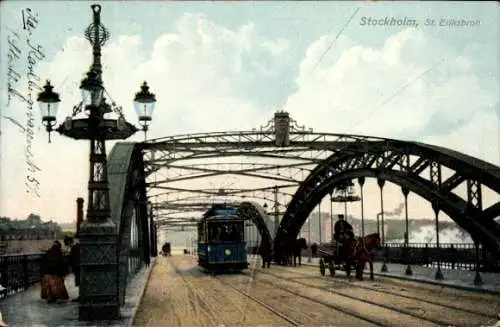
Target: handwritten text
{"x": 33, "y": 55}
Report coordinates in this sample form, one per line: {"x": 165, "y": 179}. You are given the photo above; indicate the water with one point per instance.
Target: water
{"x": 427, "y": 234}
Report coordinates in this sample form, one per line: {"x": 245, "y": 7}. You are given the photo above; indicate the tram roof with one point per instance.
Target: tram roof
{"x": 221, "y": 218}
{"x": 217, "y": 209}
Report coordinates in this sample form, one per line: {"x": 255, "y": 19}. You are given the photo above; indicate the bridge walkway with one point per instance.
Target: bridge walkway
{"x": 460, "y": 279}
{"x": 180, "y": 294}
{"x": 28, "y": 309}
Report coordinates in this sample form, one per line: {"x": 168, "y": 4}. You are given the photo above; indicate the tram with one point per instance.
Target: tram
{"x": 221, "y": 242}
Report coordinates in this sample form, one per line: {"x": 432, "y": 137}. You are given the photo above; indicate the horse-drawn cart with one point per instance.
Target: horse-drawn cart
{"x": 355, "y": 256}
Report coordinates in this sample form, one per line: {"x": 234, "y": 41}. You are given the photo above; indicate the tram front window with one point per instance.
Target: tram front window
{"x": 226, "y": 232}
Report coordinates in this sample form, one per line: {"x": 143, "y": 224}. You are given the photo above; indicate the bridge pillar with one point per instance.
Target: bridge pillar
{"x": 381, "y": 183}
{"x": 276, "y": 210}
{"x": 477, "y": 278}
{"x": 154, "y": 236}
{"x": 436, "y": 208}
{"x": 331, "y": 215}
{"x": 436, "y": 179}
{"x": 408, "y": 271}
{"x": 309, "y": 258}
{"x": 152, "y": 232}
{"x": 320, "y": 223}
{"x": 361, "y": 182}
{"x": 475, "y": 203}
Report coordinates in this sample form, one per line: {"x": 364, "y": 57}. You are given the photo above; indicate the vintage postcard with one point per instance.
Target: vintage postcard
{"x": 249, "y": 163}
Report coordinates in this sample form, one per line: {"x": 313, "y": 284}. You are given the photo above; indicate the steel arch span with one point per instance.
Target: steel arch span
{"x": 257, "y": 214}
{"x": 129, "y": 211}
{"x": 402, "y": 163}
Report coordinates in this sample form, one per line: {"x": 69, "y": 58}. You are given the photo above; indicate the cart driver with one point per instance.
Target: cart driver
{"x": 343, "y": 232}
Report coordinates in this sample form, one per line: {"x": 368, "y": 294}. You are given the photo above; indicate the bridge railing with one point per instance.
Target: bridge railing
{"x": 18, "y": 272}
{"x": 448, "y": 255}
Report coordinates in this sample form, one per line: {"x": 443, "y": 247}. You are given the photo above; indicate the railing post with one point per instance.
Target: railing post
{"x": 453, "y": 252}
{"x": 25, "y": 272}
{"x": 425, "y": 254}
{"x": 3, "y": 275}
{"x": 477, "y": 278}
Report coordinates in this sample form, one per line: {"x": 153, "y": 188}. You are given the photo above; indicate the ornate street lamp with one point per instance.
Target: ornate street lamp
{"x": 345, "y": 192}
{"x": 144, "y": 104}
{"x": 99, "y": 298}
{"x": 49, "y": 103}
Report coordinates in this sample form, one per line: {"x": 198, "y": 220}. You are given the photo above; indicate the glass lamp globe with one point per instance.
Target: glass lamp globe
{"x": 144, "y": 103}
{"x": 48, "y": 101}
{"x": 92, "y": 90}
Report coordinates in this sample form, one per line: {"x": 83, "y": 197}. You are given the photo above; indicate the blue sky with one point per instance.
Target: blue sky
{"x": 221, "y": 66}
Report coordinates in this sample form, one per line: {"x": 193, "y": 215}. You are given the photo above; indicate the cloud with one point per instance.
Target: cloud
{"x": 208, "y": 77}
{"x": 204, "y": 75}
{"x": 361, "y": 90}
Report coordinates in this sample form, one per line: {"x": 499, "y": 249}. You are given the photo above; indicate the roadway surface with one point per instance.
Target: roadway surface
{"x": 180, "y": 294}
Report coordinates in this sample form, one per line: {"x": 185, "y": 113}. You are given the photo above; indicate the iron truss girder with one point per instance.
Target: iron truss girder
{"x": 227, "y": 191}
{"x": 306, "y": 149}
{"x": 284, "y": 173}
{"x": 191, "y": 204}
{"x": 203, "y": 203}
{"x": 286, "y": 154}
{"x": 253, "y": 194}
{"x": 218, "y": 139}
{"x": 183, "y": 206}
{"x": 354, "y": 163}
{"x": 255, "y": 143}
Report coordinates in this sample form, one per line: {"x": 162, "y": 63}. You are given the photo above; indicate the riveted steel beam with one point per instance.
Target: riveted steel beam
{"x": 452, "y": 182}
{"x": 339, "y": 167}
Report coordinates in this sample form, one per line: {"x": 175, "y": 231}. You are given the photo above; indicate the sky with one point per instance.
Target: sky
{"x": 217, "y": 66}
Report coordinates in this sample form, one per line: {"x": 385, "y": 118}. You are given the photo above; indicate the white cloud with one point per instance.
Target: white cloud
{"x": 353, "y": 93}
{"x": 198, "y": 73}
{"x": 202, "y": 74}
{"x": 478, "y": 137}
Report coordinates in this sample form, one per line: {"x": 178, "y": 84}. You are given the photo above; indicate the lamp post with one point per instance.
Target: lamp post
{"x": 98, "y": 234}
{"x": 345, "y": 191}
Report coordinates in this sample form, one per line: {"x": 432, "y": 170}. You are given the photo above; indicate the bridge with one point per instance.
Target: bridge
{"x": 285, "y": 171}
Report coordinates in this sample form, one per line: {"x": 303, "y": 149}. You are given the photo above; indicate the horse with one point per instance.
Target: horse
{"x": 292, "y": 250}
{"x": 366, "y": 253}
{"x": 166, "y": 249}
{"x": 358, "y": 252}
{"x": 266, "y": 254}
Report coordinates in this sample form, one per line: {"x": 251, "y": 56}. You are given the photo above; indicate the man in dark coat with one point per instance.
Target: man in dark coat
{"x": 343, "y": 234}
{"x": 74, "y": 260}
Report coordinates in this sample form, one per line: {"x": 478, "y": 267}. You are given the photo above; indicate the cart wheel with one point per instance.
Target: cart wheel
{"x": 331, "y": 267}
{"x": 322, "y": 267}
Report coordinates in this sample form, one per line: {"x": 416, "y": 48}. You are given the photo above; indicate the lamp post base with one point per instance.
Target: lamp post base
{"x": 98, "y": 271}
{"x": 100, "y": 312}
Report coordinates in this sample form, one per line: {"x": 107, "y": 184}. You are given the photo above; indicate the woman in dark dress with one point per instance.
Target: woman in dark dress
{"x": 53, "y": 269}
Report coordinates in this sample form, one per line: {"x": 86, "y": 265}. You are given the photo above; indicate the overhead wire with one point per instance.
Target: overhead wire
{"x": 323, "y": 55}
{"x": 408, "y": 84}
{"x": 403, "y": 87}
{"x": 334, "y": 41}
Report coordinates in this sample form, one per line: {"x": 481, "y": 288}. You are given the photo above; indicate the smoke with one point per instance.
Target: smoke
{"x": 395, "y": 212}
{"x": 427, "y": 234}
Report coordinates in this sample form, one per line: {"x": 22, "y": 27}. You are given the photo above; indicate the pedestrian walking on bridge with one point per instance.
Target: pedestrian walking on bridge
{"x": 53, "y": 269}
